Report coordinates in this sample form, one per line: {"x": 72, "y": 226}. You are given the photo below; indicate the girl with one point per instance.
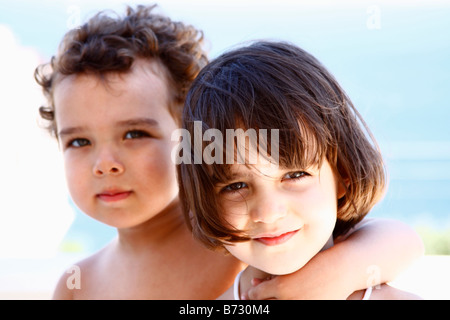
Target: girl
{"x": 317, "y": 179}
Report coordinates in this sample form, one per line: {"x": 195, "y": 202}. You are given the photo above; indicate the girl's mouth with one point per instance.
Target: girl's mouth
{"x": 276, "y": 240}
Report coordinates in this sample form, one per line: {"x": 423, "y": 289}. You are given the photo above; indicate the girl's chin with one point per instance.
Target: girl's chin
{"x": 282, "y": 268}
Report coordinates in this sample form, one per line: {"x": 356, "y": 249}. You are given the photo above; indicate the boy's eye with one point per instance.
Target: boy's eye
{"x": 79, "y": 142}
{"x": 234, "y": 187}
{"x": 136, "y": 134}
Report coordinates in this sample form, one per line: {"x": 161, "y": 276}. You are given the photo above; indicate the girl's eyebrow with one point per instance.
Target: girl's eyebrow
{"x": 236, "y": 176}
{"x": 240, "y": 175}
{"x": 232, "y": 177}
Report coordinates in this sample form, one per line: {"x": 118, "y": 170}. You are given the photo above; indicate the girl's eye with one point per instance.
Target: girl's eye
{"x": 79, "y": 142}
{"x": 136, "y": 134}
{"x": 234, "y": 187}
{"x": 295, "y": 175}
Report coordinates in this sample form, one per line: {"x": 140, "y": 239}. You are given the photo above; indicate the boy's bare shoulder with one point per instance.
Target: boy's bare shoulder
{"x": 75, "y": 282}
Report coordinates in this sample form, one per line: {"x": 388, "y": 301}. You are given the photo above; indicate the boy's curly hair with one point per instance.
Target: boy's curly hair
{"x": 111, "y": 44}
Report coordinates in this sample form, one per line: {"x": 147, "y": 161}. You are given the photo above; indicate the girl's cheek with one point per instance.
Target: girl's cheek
{"x": 236, "y": 214}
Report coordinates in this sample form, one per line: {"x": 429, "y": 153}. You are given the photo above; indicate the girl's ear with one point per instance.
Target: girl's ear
{"x": 342, "y": 187}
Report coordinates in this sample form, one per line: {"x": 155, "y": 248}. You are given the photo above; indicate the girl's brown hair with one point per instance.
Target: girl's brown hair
{"x": 276, "y": 85}
{"x": 108, "y": 43}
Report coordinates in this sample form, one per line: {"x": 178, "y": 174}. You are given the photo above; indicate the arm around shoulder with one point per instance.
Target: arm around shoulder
{"x": 390, "y": 245}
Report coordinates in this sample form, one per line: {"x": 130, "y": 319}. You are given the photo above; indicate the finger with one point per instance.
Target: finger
{"x": 253, "y": 282}
{"x": 263, "y": 290}
{"x": 256, "y": 281}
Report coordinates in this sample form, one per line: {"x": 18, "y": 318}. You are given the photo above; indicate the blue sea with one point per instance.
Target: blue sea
{"x": 392, "y": 58}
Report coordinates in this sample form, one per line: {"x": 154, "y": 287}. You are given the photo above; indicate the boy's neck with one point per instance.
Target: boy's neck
{"x": 155, "y": 231}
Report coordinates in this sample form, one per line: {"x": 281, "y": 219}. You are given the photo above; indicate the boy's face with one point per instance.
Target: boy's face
{"x": 289, "y": 214}
{"x": 116, "y": 141}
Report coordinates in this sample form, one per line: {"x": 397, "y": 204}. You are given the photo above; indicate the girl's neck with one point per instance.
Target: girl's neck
{"x": 251, "y": 273}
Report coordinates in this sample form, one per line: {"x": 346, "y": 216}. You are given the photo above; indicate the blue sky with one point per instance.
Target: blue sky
{"x": 368, "y": 45}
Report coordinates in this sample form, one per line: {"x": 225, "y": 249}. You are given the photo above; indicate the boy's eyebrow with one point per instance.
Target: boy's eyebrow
{"x": 69, "y": 131}
{"x": 124, "y": 123}
{"x": 138, "y": 121}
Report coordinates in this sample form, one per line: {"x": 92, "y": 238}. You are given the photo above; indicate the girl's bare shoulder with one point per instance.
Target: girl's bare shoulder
{"x": 385, "y": 292}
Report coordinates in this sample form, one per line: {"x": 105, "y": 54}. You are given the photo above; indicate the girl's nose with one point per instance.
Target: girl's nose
{"x": 268, "y": 208}
{"x": 107, "y": 163}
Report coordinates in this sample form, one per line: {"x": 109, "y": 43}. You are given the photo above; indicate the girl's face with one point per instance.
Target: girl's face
{"x": 289, "y": 214}
{"x": 116, "y": 140}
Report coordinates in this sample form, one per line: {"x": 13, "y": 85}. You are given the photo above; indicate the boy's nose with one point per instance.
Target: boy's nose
{"x": 107, "y": 164}
{"x": 268, "y": 208}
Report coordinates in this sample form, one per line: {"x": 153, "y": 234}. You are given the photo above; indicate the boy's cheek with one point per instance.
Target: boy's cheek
{"x": 158, "y": 158}
{"x": 75, "y": 177}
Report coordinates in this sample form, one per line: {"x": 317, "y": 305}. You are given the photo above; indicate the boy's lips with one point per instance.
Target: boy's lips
{"x": 274, "y": 240}
{"x": 113, "y": 195}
